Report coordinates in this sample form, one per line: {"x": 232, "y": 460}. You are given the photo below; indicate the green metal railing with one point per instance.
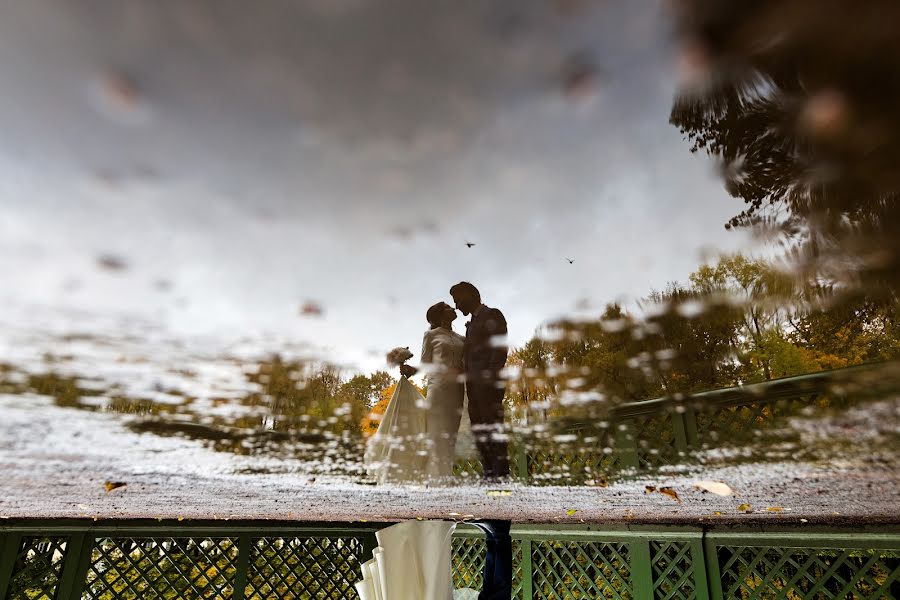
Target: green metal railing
{"x": 172, "y": 560}
{"x": 652, "y": 434}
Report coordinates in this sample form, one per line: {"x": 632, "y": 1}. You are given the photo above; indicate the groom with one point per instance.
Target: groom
{"x": 485, "y": 355}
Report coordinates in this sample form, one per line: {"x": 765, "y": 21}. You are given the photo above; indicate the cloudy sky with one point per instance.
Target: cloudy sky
{"x": 208, "y": 167}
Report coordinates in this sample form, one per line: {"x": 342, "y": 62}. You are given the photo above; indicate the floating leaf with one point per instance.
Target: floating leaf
{"x": 112, "y": 485}
{"x": 744, "y": 508}
{"x": 571, "y": 511}
{"x": 111, "y": 262}
{"x": 774, "y": 509}
{"x": 499, "y": 493}
{"x": 649, "y": 489}
{"x": 670, "y": 492}
{"x": 311, "y": 309}
{"x": 714, "y": 487}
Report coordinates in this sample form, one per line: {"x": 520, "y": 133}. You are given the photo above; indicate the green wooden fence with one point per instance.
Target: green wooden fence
{"x": 644, "y": 436}
{"x": 262, "y": 561}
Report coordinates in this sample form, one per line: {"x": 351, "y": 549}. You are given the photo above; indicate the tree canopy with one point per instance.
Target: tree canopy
{"x": 799, "y": 101}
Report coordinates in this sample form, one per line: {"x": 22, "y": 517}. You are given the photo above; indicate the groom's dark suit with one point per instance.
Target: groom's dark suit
{"x": 485, "y": 356}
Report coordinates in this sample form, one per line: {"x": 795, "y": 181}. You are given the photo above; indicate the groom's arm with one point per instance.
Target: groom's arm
{"x": 495, "y": 326}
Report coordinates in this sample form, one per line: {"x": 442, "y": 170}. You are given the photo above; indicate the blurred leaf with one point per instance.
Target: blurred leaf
{"x": 715, "y": 487}
{"x": 112, "y": 485}
{"x": 670, "y": 492}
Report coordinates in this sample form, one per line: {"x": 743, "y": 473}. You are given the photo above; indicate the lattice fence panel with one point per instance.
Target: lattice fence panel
{"x": 591, "y": 458}
{"x": 518, "y": 580}
{"x": 169, "y": 568}
{"x": 655, "y": 438}
{"x": 814, "y": 573}
{"x": 37, "y": 569}
{"x": 673, "y": 571}
{"x": 304, "y": 568}
{"x": 467, "y": 561}
{"x": 468, "y": 468}
{"x": 581, "y": 570}
{"x": 741, "y": 424}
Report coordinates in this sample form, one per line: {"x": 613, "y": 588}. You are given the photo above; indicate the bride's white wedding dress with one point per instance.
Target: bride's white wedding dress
{"x": 416, "y": 441}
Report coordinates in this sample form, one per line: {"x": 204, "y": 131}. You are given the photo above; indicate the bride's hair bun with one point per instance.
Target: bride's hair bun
{"x": 434, "y": 313}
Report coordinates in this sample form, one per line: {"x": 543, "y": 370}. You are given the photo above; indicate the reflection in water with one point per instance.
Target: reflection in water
{"x": 795, "y": 101}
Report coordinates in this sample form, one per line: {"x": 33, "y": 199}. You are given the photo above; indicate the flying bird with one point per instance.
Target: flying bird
{"x": 571, "y": 260}
{"x": 469, "y": 244}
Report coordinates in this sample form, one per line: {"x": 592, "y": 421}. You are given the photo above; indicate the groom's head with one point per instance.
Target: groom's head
{"x": 466, "y": 296}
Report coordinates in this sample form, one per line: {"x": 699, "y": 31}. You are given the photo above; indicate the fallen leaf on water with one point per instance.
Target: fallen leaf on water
{"x": 718, "y": 513}
{"x": 571, "y": 511}
{"x": 670, "y": 493}
{"x": 120, "y": 90}
{"x": 83, "y": 506}
{"x": 649, "y": 489}
{"x": 111, "y": 262}
{"x": 499, "y": 493}
{"x": 714, "y": 487}
{"x": 744, "y": 507}
{"x": 774, "y": 509}
{"x": 112, "y": 485}
{"x": 311, "y": 309}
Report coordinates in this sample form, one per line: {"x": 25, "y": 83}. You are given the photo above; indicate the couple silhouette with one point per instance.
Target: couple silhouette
{"x": 416, "y": 441}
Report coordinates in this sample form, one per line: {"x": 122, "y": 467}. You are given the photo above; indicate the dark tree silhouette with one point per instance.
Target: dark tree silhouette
{"x": 800, "y": 100}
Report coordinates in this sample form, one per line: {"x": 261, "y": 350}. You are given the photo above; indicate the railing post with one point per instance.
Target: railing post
{"x": 78, "y": 560}
{"x": 369, "y": 543}
{"x": 713, "y": 576}
{"x": 627, "y": 445}
{"x": 680, "y": 433}
{"x": 245, "y": 547}
{"x": 527, "y": 570}
{"x": 690, "y": 428}
{"x": 641, "y": 569}
{"x": 521, "y": 462}
{"x": 698, "y": 560}
{"x": 8, "y": 551}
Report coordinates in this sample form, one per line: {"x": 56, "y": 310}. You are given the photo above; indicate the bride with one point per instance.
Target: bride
{"x": 416, "y": 443}
{"x": 417, "y": 437}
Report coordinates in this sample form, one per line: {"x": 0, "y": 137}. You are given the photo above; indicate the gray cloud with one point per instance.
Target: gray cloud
{"x": 343, "y": 153}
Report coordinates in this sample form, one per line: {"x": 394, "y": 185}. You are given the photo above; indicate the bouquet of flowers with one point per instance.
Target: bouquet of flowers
{"x": 398, "y": 356}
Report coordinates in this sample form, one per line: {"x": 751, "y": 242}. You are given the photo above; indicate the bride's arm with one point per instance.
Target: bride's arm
{"x": 427, "y": 349}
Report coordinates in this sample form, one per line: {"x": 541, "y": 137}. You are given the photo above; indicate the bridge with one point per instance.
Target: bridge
{"x": 594, "y": 529}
